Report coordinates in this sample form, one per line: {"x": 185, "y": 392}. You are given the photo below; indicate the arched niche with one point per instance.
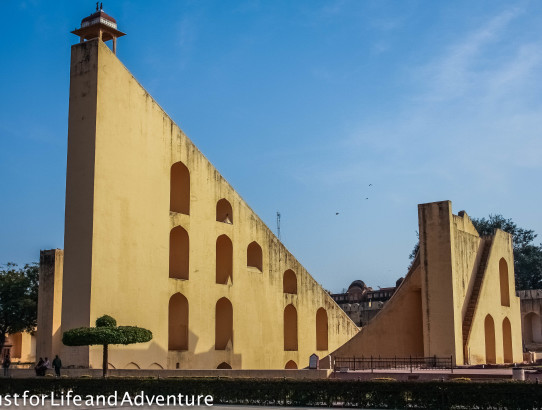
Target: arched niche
{"x": 489, "y": 331}
{"x": 291, "y": 365}
{"x": 179, "y": 253}
{"x": 254, "y": 256}
{"x": 178, "y": 322}
{"x": 507, "y": 341}
{"x": 223, "y": 365}
{"x": 224, "y": 212}
{"x": 321, "y": 330}
{"x": 289, "y": 282}
{"x": 504, "y": 282}
{"x": 224, "y": 260}
{"x": 223, "y": 325}
{"x": 290, "y": 328}
{"x": 179, "y": 200}
{"x": 532, "y": 329}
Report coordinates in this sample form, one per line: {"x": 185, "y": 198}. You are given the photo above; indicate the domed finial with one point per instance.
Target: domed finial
{"x": 99, "y": 25}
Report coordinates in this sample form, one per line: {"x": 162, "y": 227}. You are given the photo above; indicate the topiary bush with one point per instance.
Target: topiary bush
{"x": 106, "y": 333}
{"x": 106, "y": 321}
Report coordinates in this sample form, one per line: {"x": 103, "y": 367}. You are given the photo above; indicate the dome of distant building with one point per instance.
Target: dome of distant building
{"x": 358, "y": 284}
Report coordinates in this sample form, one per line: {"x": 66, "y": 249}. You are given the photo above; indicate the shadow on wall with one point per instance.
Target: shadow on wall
{"x": 210, "y": 359}
{"x": 132, "y": 358}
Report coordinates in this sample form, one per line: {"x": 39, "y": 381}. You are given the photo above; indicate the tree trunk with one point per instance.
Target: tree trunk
{"x": 105, "y": 361}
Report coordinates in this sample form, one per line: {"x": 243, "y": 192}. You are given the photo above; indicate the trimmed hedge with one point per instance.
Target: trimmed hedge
{"x": 122, "y": 335}
{"x": 106, "y": 321}
{"x": 106, "y": 332}
{"x": 347, "y": 393}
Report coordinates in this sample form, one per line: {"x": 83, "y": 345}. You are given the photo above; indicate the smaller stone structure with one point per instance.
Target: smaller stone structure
{"x": 531, "y": 310}
{"x": 457, "y": 302}
{"x": 49, "y": 335}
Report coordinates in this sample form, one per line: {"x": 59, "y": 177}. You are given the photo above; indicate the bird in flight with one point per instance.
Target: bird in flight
{"x": 336, "y": 213}
{"x": 370, "y": 184}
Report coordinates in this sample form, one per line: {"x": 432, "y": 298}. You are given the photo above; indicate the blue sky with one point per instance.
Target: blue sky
{"x": 300, "y": 104}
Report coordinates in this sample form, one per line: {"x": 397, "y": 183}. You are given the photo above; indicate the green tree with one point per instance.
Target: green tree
{"x": 18, "y": 299}
{"x": 106, "y": 333}
{"x": 527, "y": 255}
{"x": 414, "y": 250}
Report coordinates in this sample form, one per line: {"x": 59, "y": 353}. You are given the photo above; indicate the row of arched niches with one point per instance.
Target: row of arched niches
{"x": 179, "y": 260}
{"x": 179, "y": 242}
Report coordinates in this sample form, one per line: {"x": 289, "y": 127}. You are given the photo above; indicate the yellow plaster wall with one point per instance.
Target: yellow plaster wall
{"x": 28, "y": 347}
{"x": 467, "y": 253}
{"x": 466, "y": 256}
{"x": 23, "y": 347}
{"x": 455, "y": 254}
{"x": 78, "y": 227}
{"x": 436, "y": 245}
{"x": 491, "y": 304}
{"x": 397, "y": 330}
{"x": 136, "y": 144}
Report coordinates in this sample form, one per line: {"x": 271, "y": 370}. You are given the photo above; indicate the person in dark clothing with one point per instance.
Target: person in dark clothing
{"x": 40, "y": 371}
{"x": 5, "y": 364}
{"x": 57, "y": 364}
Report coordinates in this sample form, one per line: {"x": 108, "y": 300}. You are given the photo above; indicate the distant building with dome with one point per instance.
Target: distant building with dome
{"x": 361, "y": 302}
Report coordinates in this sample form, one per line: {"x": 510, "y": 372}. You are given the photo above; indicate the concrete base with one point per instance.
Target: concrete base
{"x": 253, "y": 374}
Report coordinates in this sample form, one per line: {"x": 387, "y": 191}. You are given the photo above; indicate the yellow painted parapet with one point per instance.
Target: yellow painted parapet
{"x": 458, "y": 299}
{"x": 157, "y": 238}
{"x": 49, "y": 337}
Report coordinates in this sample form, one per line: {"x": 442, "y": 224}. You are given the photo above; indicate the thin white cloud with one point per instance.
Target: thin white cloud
{"x": 456, "y": 72}
{"x": 476, "y": 115}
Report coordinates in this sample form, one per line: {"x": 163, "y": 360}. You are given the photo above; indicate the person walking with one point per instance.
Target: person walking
{"x": 5, "y": 364}
{"x": 57, "y": 364}
{"x": 39, "y": 367}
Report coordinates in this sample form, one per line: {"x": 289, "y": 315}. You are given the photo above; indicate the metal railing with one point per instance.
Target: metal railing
{"x": 394, "y": 363}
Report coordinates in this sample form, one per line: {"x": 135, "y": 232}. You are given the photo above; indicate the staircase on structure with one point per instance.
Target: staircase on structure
{"x": 475, "y": 294}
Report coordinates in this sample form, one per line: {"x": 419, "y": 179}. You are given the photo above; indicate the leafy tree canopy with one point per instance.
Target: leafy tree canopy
{"x": 18, "y": 299}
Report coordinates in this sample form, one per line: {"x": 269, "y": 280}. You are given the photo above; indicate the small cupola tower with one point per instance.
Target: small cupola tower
{"x": 99, "y": 25}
